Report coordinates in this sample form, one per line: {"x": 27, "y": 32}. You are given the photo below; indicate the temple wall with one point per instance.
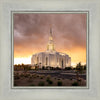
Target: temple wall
{"x": 53, "y": 60}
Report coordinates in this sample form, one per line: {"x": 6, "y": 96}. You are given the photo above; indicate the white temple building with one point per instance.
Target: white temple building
{"x": 51, "y": 57}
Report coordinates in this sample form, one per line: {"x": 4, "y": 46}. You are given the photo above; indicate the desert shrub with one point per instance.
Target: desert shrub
{"x": 79, "y": 80}
{"x": 75, "y": 84}
{"x": 30, "y": 77}
{"x": 47, "y": 79}
{"x": 37, "y": 75}
{"x": 41, "y": 77}
{"x": 59, "y": 83}
{"x": 34, "y": 76}
{"x": 41, "y": 83}
{"x": 48, "y": 76}
{"x": 50, "y": 82}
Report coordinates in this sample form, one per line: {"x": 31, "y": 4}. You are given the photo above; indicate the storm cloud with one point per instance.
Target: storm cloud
{"x": 31, "y": 32}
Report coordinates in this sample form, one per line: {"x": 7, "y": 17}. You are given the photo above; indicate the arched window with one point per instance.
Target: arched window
{"x": 62, "y": 63}
{"x": 46, "y": 60}
{"x": 67, "y": 60}
{"x": 37, "y": 60}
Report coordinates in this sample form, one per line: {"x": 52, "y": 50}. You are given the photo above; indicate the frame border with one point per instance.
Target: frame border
{"x": 87, "y": 49}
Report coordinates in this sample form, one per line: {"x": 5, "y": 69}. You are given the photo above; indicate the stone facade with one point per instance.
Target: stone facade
{"x": 51, "y": 57}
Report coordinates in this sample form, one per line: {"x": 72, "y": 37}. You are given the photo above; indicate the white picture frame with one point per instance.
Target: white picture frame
{"x": 93, "y": 90}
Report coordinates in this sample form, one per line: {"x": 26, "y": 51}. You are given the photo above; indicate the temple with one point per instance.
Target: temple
{"x": 51, "y": 58}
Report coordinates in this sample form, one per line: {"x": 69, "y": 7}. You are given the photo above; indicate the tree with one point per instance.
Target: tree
{"x": 22, "y": 64}
{"x": 84, "y": 67}
{"x": 79, "y": 69}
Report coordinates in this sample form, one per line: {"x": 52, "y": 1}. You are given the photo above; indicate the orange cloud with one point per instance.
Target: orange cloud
{"x": 31, "y": 33}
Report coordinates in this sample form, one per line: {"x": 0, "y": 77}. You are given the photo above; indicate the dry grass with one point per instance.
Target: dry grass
{"x": 26, "y": 79}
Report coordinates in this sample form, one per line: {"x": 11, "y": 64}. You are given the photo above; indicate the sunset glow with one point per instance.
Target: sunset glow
{"x": 31, "y": 35}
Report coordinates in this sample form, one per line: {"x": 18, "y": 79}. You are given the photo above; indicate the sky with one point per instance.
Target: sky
{"x": 31, "y": 35}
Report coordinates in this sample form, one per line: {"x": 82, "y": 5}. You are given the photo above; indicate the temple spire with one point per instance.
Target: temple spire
{"x": 50, "y": 36}
{"x": 50, "y": 30}
{"x": 50, "y": 46}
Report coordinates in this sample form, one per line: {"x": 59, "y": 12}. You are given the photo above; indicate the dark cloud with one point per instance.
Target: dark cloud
{"x": 31, "y": 31}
